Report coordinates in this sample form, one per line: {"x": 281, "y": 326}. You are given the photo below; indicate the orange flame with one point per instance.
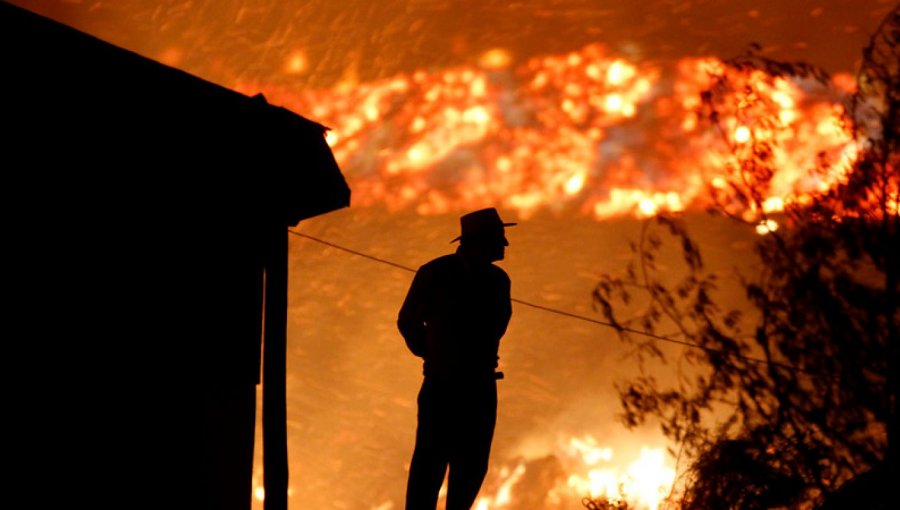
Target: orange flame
{"x": 593, "y": 471}
{"x": 587, "y": 131}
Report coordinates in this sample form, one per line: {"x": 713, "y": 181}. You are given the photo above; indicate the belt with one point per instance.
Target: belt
{"x": 447, "y": 377}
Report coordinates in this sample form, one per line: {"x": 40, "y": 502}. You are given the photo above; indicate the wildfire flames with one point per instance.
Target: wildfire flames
{"x": 591, "y": 471}
{"x": 587, "y": 130}
{"x": 580, "y": 468}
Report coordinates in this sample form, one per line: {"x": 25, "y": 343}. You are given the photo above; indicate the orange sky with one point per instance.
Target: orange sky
{"x": 230, "y": 40}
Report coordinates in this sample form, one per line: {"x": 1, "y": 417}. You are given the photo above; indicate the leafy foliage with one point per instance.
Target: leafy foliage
{"x": 810, "y": 400}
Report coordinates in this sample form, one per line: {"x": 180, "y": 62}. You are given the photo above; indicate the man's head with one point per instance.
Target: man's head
{"x": 483, "y": 234}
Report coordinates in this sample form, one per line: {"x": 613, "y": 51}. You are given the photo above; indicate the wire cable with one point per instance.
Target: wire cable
{"x": 555, "y": 310}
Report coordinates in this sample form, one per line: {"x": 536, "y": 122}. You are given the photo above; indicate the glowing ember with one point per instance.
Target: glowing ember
{"x": 742, "y": 134}
{"x": 766, "y": 227}
{"x": 296, "y": 63}
{"x": 497, "y": 58}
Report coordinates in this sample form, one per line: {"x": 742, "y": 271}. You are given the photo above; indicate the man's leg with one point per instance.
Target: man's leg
{"x": 467, "y": 473}
{"x": 472, "y": 449}
{"x": 426, "y": 474}
{"x": 430, "y": 457}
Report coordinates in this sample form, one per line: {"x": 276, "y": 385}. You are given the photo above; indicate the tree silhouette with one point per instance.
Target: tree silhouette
{"x": 810, "y": 387}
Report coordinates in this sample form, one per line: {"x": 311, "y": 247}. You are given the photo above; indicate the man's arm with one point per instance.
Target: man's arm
{"x": 411, "y": 320}
{"x": 505, "y": 307}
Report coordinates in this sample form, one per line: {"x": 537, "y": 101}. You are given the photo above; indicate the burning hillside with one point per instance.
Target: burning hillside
{"x": 588, "y": 131}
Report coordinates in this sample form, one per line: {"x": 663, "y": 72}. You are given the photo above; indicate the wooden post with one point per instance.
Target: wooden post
{"x": 275, "y": 458}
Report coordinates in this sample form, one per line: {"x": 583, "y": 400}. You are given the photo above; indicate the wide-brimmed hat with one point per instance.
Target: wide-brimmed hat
{"x": 481, "y": 223}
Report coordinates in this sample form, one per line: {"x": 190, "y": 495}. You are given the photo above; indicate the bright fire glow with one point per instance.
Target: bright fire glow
{"x": 766, "y": 227}
{"x": 296, "y": 63}
{"x": 593, "y": 471}
{"x": 497, "y": 58}
{"x": 587, "y": 131}
{"x": 644, "y": 483}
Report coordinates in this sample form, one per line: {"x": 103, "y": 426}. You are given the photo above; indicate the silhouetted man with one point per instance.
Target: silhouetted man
{"x": 456, "y": 311}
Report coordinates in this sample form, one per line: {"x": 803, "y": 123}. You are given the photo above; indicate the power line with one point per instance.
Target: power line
{"x": 555, "y": 310}
{"x": 348, "y": 250}
{"x": 514, "y": 300}
{"x": 604, "y": 323}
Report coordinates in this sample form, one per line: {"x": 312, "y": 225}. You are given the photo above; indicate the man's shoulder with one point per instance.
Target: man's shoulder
{"x": 499, "y": 273}
{"x": 451, "y": 266}
{"x": 444, "y": 261}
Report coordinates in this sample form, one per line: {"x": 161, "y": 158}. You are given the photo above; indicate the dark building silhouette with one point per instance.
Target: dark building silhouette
{"x": 145, "y": 225}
